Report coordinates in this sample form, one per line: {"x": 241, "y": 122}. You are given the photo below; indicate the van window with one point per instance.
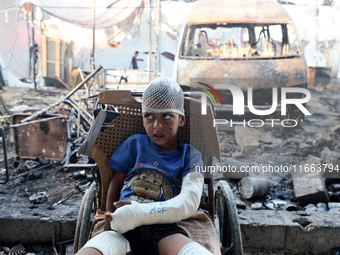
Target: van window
{"x": 240, "y": 41}
{"x": 268, "y": 40}
{"x": 294, "y": 45}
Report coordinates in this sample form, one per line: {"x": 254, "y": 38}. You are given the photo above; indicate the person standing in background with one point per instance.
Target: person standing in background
{"x": 134, "y": 60}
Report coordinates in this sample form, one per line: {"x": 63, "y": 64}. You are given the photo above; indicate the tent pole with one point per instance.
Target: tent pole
{"x": 150, "y": 48}
{"x": 29, "y": 46}
{"x": 157, "y": 36}
{"x": 94, "y": 35}
{"x": 316, "y": 34}
{"x": 93, "y": 60}
{"x": 34, "y": 50}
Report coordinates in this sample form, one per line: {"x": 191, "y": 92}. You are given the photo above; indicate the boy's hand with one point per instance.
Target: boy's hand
{"x": 108, "y": 219}
{"x": 122, "y": 203}
{"x": 108, "y": 215}
{"x": 123, "y": 218}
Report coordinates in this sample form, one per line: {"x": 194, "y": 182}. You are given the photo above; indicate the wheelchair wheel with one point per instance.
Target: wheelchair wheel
{"x": 227, "y": 223}
{"x": 84, "y": 219}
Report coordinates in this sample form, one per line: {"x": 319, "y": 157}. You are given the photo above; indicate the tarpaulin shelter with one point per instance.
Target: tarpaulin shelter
{"x": 126, "y": 23}
{"x": 68, "y": 21}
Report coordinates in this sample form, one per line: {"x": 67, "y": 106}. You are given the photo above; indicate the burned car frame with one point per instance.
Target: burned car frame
{"x": 248, "y": 44}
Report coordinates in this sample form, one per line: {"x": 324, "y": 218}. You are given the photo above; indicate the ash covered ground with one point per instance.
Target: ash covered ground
{"x": 277, "y": 146}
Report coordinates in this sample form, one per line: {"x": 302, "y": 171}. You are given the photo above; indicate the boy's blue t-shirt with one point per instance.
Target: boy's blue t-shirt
{"x": 152, "y": 174}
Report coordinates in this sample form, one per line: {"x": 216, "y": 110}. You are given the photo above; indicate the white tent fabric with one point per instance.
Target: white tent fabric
{"x": 67, "y": 21}
{"x": 10, "y": 79}
{"x": 318, "y": 28}
{"x": 79, "y": 12}
{"x": 173, "y": 15}
{"x": 72, "y": 21}
{"x": 14, "y": 44}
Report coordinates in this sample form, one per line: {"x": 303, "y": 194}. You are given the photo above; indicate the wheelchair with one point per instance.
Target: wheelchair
{"x": 118, "y": 116}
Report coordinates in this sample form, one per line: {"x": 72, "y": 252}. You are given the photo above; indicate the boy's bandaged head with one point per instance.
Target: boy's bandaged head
{"x": 163, "y": 95}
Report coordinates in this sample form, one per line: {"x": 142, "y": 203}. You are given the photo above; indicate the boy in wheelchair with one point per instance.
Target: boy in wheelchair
{"x": 155, "y": 184}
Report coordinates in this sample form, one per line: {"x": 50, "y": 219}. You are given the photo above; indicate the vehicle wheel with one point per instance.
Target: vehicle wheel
{"x": 227, "y": 223}
{"x": 84, "y": 218}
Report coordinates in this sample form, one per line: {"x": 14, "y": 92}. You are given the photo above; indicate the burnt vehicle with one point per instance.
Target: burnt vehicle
{"x": 246, "y": 43}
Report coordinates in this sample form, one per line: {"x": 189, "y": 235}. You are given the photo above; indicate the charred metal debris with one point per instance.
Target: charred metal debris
{"x": 48, "y": 137}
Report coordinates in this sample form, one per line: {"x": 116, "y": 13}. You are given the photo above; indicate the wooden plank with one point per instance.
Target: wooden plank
{"x": 44, "y": 57}
{"x": 309, "y": 186}
{"x": 310, "y": 189}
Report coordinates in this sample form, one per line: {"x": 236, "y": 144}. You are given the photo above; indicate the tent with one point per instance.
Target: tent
{"x": 126, "y": 24}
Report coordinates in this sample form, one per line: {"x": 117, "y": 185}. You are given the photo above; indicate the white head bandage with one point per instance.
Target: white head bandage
{"x": 163, "y": 95}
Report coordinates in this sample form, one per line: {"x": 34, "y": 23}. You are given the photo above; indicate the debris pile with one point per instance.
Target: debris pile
{"x": 287, "y": 168}
{"x": 41, "y": 174}
{"x": 53, "y": 133}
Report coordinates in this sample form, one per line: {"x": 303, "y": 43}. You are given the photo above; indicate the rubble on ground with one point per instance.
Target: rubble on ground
{"x": 302, "y": 164}
{"x": 56, "y": 190}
